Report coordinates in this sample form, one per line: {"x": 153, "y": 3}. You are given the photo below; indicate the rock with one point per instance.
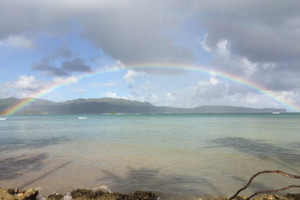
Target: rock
{"x": 12, "y": 191}
{"x": 140, "y": 195}
{"x": 5, "y": 195}
{"x": 103, "y": 194}
{"x": 55, "y": 197}
{"x": 13, "y": 194}
{"x": 30, "y": 194}
{"x": 293, "y": 196}
{"x": 84, "y": 193}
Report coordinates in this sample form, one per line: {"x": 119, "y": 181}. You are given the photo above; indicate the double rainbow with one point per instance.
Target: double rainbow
{"x": 273, "y": 95}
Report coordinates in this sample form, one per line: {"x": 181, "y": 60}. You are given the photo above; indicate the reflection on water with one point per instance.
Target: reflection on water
{"x": 152, "y": 179}
{"x": 173, "y": 155}
{"x": 258, "y": 148}
{"x": 16, "y": 166}
{"x": 11, "y": 144}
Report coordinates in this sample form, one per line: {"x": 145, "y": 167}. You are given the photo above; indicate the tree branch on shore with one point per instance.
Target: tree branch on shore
{"x": 268, "y": 191}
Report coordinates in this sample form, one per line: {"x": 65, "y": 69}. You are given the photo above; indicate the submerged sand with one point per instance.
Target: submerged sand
{"x": 88, "y": 194}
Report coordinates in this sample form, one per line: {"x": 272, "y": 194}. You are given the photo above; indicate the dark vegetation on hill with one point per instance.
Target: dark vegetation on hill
{"x": 108, "y": 105}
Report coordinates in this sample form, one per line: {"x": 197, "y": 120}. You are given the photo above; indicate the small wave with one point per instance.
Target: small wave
{"x": 82, "y": 117}
{"x": 104, "y": 188}
{"x": 68, "y": 196}
{"x": 3, "y": 118}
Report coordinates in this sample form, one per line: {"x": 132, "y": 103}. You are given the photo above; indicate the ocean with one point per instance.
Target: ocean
{"x": 175, "y": 156}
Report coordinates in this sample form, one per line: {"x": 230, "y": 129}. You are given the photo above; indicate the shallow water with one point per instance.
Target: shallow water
{"x": 186, "y": 156}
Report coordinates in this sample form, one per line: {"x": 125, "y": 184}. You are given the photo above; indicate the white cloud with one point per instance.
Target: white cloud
{"x": 222, "y": 47}
{"x": 235, "y": 64}
{"x": 17, "y": 42}
{"x": 268, "y": 66}
{"x": 152, "y": 97}
{"x": 203, "y": 43}
{"x": 210, "y": 89}
{"x": 26, "y": 82}
{"x": 29, "y": 86}
{"x": 110, "y": 95}
{"x": 213, "y": 80}
{"x": 131, "y": 75}
{"x": 24, "y": 86}
{"x": 4, "y": 92}
{"x": 169, "y": 97}
{"x": 110, "y": 84}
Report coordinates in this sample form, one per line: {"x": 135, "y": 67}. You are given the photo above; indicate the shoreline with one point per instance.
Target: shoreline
{"x": 106, "y": 194}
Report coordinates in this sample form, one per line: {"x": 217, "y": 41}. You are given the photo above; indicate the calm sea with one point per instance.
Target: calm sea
{"x": 176, "y": 156}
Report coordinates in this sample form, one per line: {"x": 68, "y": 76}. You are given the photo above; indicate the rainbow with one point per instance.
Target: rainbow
{"x": 273, "y": 95}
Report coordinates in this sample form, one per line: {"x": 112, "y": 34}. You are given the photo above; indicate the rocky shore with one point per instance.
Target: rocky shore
{"x": 99, "y": 194}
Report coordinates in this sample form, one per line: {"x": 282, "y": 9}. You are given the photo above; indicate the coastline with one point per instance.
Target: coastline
{"x": 105, "y": 194}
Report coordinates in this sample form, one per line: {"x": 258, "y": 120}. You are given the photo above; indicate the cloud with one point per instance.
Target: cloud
{"x": 260, "y": 30}
{"x": 131, "y": 75}
{"x": 131, "y": 33}
{"x": 267, "y": 74}
{"x": 49, "y": 70}
{"x": 75, "y": 65}
{"x": 62, "y": 52}
{"x": 169, "y": 97}
{"x": 67, "y": 67}
{"x": 238, "y": 65}
{"x": 128, "y": 31}
{"x": 28, "y": 83}
{"x": 29, "y": 86}
{"x": 257, "y": 40}
{"x": 203, "y": 43}
{"x": 104, "y": 84}
{"x": 17, "y": 42}
{"x": 210, "y": 89}
{"x": 24, "y": 86}
{"x": 145, "y": 31}
{"x": 110, "y": 95}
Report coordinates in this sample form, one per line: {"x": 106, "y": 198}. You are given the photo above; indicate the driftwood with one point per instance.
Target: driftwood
{"x": 267, "y": 191}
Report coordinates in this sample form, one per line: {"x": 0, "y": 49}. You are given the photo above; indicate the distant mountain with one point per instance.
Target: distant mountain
{"x": 110, "y": 105}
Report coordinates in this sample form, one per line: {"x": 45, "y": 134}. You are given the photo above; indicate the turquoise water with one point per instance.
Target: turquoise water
{"x": 176, "y": 156}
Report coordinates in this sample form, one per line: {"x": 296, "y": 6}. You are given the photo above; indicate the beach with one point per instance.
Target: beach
{"x": 103, "y": 194}
{"x": 174, "y": 156}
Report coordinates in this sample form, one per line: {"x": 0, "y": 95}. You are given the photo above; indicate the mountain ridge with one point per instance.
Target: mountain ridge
{"x": 118, "y": 105}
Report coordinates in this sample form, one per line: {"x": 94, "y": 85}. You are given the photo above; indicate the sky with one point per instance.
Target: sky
{"x": 247, "y": 52}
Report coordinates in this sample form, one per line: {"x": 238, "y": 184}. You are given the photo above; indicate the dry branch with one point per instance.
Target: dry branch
{"x": 268, "y": 191}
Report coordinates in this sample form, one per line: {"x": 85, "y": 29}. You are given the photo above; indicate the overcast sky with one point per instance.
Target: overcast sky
{"x": 45, "y": 43}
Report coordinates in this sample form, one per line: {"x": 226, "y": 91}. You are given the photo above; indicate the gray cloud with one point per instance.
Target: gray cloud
{"x": 130, "y": 31}
{"x": 75, "y": 65}
{"x": 259, "y": 33}
{"x": 49, "y": 70}
{"x": 263, "y": 31}
{"x": 133, "y": 32}
{"x": 61, "y": 52}
{"x": 263, "y": 38}
{"x": 20, "y": 17}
